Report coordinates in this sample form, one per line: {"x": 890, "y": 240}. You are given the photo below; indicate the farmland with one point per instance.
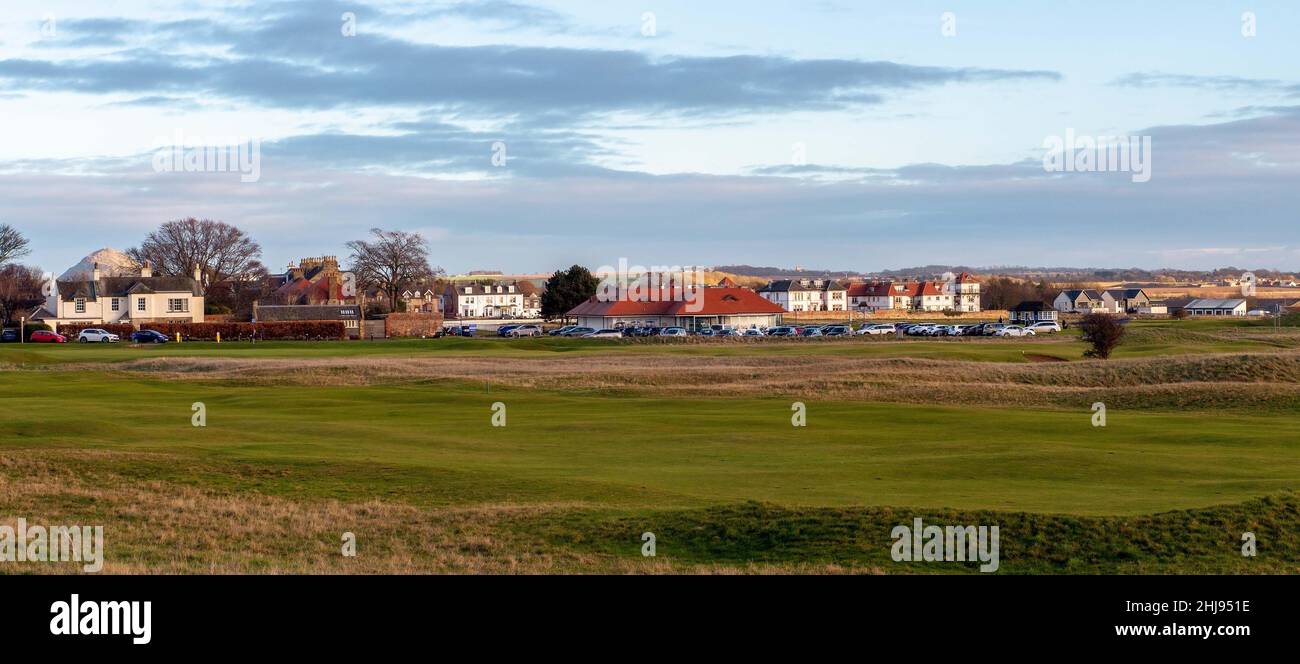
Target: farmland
{"x": 694, "y": 442}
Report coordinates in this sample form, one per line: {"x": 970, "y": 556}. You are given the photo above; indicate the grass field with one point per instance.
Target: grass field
{"x": 604, "y": 441}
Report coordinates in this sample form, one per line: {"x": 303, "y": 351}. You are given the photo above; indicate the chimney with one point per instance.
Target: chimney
{"x": 146, "y": 270}
{"x": 94, "y": 275}
{"x": 198, "y": 274}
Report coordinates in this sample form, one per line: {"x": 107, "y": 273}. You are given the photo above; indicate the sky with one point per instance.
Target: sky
{"x": 527, "y": 135}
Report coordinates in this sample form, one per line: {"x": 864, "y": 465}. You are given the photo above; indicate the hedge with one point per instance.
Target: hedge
{"x": 272, "y": 330}
{"x": 70, "y": 330}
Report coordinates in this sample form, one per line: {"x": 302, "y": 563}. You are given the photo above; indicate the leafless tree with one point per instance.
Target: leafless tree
{"x": 222, "y": 252}
{"x": 12, "y": 244}
{"x": 391, "y": 261}
{"x": 20, "y": 290}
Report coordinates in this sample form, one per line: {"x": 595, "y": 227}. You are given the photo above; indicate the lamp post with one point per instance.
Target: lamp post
{"x": 22, "y": 329}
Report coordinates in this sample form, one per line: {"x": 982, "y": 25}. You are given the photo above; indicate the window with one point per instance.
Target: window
{"x": 139, "y": 304}
{"x": 81, "y": 305}
{"x": 177, "y": 305}
{"x": 115, "y": 304}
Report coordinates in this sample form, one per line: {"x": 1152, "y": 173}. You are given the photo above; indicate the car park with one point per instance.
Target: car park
{"x": 94, "y": 334}
{"x": 525, "y": 331}
{"x": 148, "y": 337}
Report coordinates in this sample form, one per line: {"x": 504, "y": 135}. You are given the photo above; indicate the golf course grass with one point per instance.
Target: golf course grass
{"x": 727, "y": 483}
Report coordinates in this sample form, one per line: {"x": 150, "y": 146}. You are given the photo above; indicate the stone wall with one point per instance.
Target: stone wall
{"x": 412, "y": 325}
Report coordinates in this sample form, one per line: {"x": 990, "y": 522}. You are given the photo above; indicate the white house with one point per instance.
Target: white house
{"x": 124, "y": 299}
{"x": 1079, "y": 301}
{"x": 1234, "y": 307}
{"x": 483, "y": 300}
{"x": 806, "y": 294}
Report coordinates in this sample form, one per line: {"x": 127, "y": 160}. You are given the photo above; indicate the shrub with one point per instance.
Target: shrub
{"x": 70, "y": 330}
{"x": 272, "y": 330}
{"x": 1103, "y": 332}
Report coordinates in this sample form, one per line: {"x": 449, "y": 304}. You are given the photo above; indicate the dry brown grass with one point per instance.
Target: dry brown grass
{"x": 160, "y": 528}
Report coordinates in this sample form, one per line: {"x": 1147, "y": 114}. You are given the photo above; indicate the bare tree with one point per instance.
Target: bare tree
{"x": 1103, "y": 332}
{"x": 12, "y": 244}
{"x": 20, "y": 290}
{"x": 222, "y": 252}
{"x": 391, "y": 261}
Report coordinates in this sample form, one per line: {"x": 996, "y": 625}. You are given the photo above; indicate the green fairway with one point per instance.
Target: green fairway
{"x": 578, "y": 471}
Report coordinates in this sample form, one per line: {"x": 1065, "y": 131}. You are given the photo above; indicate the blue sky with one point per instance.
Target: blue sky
{"x": 836, "y": 134}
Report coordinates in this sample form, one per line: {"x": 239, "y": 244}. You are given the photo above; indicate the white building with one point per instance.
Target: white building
{"x": 806, "y": 294}
{"x": 483, "y": 300}
{"x": 1234, "y": 307}
{"x": 101, "y": 299}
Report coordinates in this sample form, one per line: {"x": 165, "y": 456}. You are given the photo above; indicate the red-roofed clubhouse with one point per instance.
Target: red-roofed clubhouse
{"x": 734, "y": 307}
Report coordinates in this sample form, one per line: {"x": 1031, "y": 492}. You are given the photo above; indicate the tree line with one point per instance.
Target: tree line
{"x": 231, "y": 273}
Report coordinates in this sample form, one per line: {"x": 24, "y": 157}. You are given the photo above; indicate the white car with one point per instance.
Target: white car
{"x": 877, "y": 329}
{"x": 96, "y": 334}
{"x": 604, "y": 334}
{"x": 525, "y": 331}
{"x": 1014, "y": 331}
{"x": 1048, "y": 326}
{"x": 672, "y": 332}
{"x": 753, "y": 332}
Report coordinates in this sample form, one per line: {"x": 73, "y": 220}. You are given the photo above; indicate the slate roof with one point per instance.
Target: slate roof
{"x": 124, "y": 286}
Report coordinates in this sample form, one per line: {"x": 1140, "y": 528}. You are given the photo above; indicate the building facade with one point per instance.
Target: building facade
{"x": 806, "y": 294}
{"x": 135, "y": 300}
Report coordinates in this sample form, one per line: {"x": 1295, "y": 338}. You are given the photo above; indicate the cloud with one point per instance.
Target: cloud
{"x": 1216, "y": 83}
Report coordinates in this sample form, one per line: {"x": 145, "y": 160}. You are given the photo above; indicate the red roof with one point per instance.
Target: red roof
{"x": 966, "y": 278}
{"x": 877, "y": 289}
{"x": 716, "y": 302}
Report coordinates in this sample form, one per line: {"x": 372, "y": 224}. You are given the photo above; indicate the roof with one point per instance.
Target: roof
{"x": 967, "y": 278}
{"x": 877, "y": 289}
{"x": 1031, "y": 305}
{"x": 308, "y": 312}
{"x": 716, "y": 302}
{"x": 789, "y": 285}
{"x": 1074, "y": 293}
{"x": 1215, "y": 304}
{"x": 481, "y": 289}
{"x": 1125, "y": 293}
{"x": 123, "y": 286}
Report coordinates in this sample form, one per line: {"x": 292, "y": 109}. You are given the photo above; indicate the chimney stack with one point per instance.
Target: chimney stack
{"x": 94, "y": 274}
{"x": 198, "y": 274}
{"x": 146, "y": 270}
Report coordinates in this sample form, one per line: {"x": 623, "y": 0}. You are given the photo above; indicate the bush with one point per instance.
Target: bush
{"x": 70, "y": 330}
{"x": 1103, "y": 332}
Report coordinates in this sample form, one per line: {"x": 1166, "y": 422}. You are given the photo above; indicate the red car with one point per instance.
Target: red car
{"x": 47, "y": 337}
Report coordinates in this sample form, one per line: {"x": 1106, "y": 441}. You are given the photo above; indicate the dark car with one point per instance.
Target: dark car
{"x": 148, "y": 337}
{"x": 836, "y": 330}
{"x": 504, "y": 330}
{"x": 9, "y": 336}
{"x": 559, "y": 332}
{"x": 811, "y": 332}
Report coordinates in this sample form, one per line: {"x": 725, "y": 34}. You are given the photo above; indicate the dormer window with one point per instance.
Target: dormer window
{"x": 468, "y": 290}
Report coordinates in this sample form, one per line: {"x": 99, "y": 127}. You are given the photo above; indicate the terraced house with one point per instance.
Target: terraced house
{"x": 124, "y": 299}
{"x": 483, "y": 300}
{"x": 962, "y": 294}
{"x": 806, "y": 294}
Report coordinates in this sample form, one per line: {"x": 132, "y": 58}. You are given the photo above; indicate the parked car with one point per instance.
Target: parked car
{"x": 525, "y": 331}
{"x": 1045, "y": 327}
{"x": 95, "y": 334}
{"x": 920, "y": 330}
{"x": 672, "y": 332}
{"x": 561, "y": 331}
{"x": 1014, "y": 331}
{"x": 607, "y": 333}
{"x": 781, "y": 331}
{"x": 148, "y": 337}
{"x": 726, "y": 332}
{"x": 650, "y": 331}
{"x": 47, "y": 337}
{"x": 754, "y": 332}
{"x": 504, "y": 330}
{"x": 836, "y": 331}
{"x": 9, "y": 336}
{"x": 992, "y": 329}
{"x": 877, "y": 329}
{"x": 579, "y": 332}
{"x": 811, "y": 332}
